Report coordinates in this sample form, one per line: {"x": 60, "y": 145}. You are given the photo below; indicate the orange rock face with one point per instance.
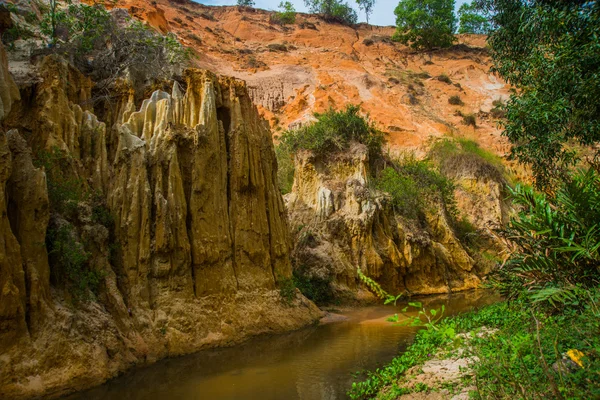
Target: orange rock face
{"x": 295, "y": 70}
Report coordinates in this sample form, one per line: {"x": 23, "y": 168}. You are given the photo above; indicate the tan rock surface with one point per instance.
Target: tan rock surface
{"x": 200, "y": 225}
{"x": 9, "y": 93}
{"x": 343, "y": 223}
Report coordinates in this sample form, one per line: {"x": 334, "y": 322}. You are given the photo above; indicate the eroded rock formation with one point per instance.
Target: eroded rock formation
{"x": 343, "y": 223}
{"x": 199, "y": 242}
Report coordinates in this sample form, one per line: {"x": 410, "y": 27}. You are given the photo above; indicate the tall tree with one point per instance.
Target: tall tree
{"x": 366, "y": 6}
{"x": 473, "y": 20}
{"x": 549, "y": 51}
{"x": 425, "y": 24}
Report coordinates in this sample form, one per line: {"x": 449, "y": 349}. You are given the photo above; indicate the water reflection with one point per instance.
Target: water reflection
{"x": 313, "y": 363}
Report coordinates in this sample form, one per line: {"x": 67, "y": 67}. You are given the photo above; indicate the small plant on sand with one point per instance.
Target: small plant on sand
{"x": 444, "y": 78}
{"x": 455, "y": 101}
{"x": 287, "y": 289}
{"x": 286, "y": 15}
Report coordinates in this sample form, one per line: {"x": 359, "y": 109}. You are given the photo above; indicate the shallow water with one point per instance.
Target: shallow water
{"x": 318, "y": 362}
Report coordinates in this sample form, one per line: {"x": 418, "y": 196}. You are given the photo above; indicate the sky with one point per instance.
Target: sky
{"x": 383, "y": 12}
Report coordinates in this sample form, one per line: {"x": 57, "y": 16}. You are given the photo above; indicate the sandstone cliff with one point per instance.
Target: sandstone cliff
{"x": 342, "y": 223}
{"x": 297, "y": 69}
{"x": 192, "y": 253}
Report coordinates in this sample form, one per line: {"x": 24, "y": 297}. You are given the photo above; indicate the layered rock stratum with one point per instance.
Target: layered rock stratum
{"x": 200, "y": 242}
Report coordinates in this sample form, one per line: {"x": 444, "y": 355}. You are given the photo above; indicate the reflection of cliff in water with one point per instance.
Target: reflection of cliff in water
{"x": 314, "y": 363}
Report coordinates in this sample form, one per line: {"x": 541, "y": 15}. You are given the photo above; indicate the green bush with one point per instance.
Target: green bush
{"x": 405, "y": 192}
{"x": 444, "y": 78}
{"x": 443, "y": 151}
{"x": 285, "y": 169}
{"x": 65, "y": 191}
{"x": 557, "y": 242}
{"x": 425, "y": 24}
{"x": 455, "y": 101}
{"x": 551, "y": 121}
{"x": 333, "y": 132}
{"x": 287, "y": 15}
{"x": 317, "y": 289}
{"x": 105, "y": 49}
{"x": 15, "y": 33}
{"x": 529, "y": 352}
{"x": 413, "y": 184}
{"x": 333, "y": 11}
{"x": 287, "y": 289}
{"x": 69, "y": 262}
{"x": 470, "y": 120}
{"x": 499, "y": 109}
{"x": 456, "y": 157}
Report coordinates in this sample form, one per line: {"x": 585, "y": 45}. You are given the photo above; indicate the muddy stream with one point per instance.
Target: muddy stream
{"x": 318, "y": 362}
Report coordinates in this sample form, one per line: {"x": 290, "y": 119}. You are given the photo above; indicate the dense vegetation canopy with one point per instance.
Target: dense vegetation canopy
{"x": 472, "y": 19}
{"x": 334, "y": 131}
{"x": 556, "y": 242}
{"x": 549, "y": 52}
{"x": 425, "y": 24}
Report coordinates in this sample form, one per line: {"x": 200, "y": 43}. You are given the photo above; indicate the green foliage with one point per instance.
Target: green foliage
{"x": 15, "y": 33}
{"x": 457, "y": 156}
{"x": 473, "y": 20}
{"x": 69, "y": 262}
{"x": 557, "y": 242}
{"x": 518, "y": 353}
{"x": 443, "y": 151}
{"x": 317, "y": 289}
{"x": 245, "y": 3}
{"x": 285, "y": 169}
{"x": 414, "y": 185}
{"x": 405, "y": 192}
{"x": 287, "y": 289}
{"x": 427, "y": 318}
{"x": 408, "y": 77}
{"x": 333, "y": 11}
{"x": 333, "y": 132}
{"x": 469, "y": 120}
{"x": 83, "y": 24}
{"x": 65, "y": 190}
{"x": 102, "y": 215}
{"x": 287, "y": 15}
{"x": 106, "y": 49}
{"x": 444, "y": 78}
{"x": 528, "y": 356}
{"x": 67, "y": 255}
{"x": 372, "y": 285}
{"x": 455, "y": 101}
{"x": 366, "y": 6}
{"x": 377, "y": 290}
{"x": 425, "y": 24}
{"x": 548, "y": 50}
